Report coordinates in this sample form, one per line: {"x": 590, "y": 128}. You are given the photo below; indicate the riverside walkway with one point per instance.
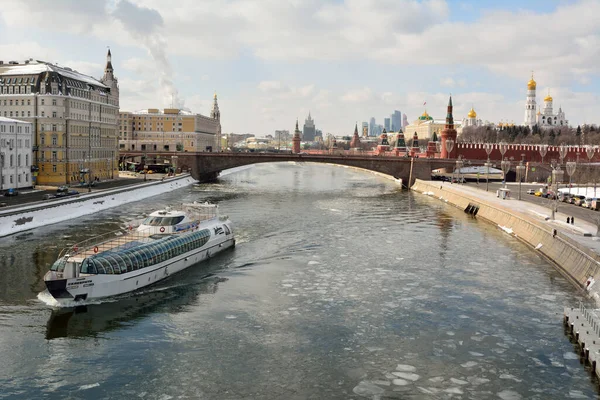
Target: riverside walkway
{"x": 582, "y": 231}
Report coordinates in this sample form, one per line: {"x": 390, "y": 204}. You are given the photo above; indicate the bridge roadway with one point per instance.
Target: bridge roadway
{"x": 205, "y": 167}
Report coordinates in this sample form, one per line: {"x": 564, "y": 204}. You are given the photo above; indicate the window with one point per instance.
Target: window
{"x": 19, "y": 178}
{"x": 43, "y": 114}
{"x": 54, "y": 140}
{"x": 26, "y": 177}
{"x": 53, "y": 114}
{"x": 42, "y": 101}
{"x": 54, "y": 156}
{"x": 54, "y": 168}
{"x": 53, "y": 102}
{"x": 42, "y": 139}
{"x": 11, "y": 162}
{"x": 18, "y": 160}
{"x": 28, "y": 102}
{"x": 26, "y": 162}
{"x": 11, "y": 179}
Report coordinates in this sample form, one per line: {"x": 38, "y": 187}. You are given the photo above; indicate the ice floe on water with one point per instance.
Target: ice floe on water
{"x": 407, "y": 375}
{"x": 400, "y": 382}
{"x": 367, "y": 388}
{"x": 90, "y": 386}
{"x": 405, "y": 368}
{"x": 509, "y": 395}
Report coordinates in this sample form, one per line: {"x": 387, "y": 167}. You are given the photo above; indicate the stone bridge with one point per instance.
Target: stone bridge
{"x": 205, "y": 167}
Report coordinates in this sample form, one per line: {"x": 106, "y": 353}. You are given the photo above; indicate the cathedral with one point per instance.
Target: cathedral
{"x": 544, "y": 118}
{"x": 471, "y": 119}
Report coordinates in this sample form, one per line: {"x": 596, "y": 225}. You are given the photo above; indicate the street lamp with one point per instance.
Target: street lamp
{"x": 1, "y": 166}
{"x": 557, "y": 176}
{"x": 459, "y": 165}
{"x": 449, "y": 146}
{"x": 488, "y": 149}
{"x": 590, "y": 151}
{"x": 571, "y": 167}
{"x": 505, "y": 165}
{"x": 543, "y": 151}
{"x": 520, "y": 170}
{"x": 503, "y": 148}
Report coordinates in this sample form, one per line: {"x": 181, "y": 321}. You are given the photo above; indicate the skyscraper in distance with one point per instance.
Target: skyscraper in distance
{"x": 396, "y": 121}
{"x": 372, "y": 127}
{"x": 309, "y": 130}
{"x": 386, "y": 124}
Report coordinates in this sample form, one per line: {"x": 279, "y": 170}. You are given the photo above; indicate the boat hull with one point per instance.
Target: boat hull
{"x": 92, "y": 287}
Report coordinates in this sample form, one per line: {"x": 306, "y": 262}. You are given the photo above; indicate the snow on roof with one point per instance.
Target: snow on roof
{"x": 4, "y": 119}
{"x": 41, "y": 66}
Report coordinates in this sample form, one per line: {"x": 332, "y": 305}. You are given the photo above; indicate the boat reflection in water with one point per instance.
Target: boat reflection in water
{"x": 120, "y": 312}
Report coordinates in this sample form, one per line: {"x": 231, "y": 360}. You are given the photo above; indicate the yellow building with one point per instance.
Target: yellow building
{"x": 74, "y": 118}
{"x": 426, "y": 126}
{"x": 170, "y": 129}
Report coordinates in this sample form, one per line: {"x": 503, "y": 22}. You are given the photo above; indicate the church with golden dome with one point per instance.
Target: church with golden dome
{"x": 544, "y": 118}
{"x": 471, "y": 119}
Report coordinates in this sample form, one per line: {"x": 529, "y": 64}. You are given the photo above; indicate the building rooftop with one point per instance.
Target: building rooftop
{"x": 38, "y": 67}
{"x": 167, "y": 111}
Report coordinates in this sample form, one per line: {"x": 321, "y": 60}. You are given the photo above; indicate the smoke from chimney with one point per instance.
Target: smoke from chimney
{"x": 146, "y": 25}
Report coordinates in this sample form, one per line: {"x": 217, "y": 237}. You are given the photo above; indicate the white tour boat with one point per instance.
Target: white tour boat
{"x": 166, "y": 242}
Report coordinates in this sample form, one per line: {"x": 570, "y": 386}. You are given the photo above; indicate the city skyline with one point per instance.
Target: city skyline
{"x": 271, "y": 68}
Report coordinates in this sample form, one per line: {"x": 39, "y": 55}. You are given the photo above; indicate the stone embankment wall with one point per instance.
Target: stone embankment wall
{"x": 576, "y": 262}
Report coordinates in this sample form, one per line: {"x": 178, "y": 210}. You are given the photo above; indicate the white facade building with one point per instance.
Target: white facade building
{"x": 546, "y": 117}
{"x": 16, "y": 141}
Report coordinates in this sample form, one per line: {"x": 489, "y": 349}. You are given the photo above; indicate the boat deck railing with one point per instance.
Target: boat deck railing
{"x": 106, "y": 241}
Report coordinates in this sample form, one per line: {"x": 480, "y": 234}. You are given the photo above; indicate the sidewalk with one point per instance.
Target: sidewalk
{"x": 583, "y": 232}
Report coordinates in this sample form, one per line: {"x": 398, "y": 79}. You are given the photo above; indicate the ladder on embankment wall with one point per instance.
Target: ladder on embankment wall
{"x": 583, "y": 326}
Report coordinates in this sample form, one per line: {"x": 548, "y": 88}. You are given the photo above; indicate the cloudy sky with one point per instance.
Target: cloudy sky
{"x": 271, "y": 61}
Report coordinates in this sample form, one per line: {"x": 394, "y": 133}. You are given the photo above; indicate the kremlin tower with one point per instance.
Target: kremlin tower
{"x": 449, "y": 133}
{"x": 296, "y": 140}
{"x": 355, "y": 142}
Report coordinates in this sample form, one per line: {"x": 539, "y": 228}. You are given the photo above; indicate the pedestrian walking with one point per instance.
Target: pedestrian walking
{"x": 572, "y": 220}
{"x": 568, "y": 220}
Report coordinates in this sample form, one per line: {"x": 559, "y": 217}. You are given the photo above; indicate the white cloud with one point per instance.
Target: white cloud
{"x": 357, "y": 96}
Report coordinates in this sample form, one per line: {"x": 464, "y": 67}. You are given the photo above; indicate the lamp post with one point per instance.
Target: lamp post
{"x": 571, "y": 167}
{"x": 503, "y": 147}
{"x": 505, "y": 165}
{"x": 449, "y": 146}
{"x": 145, "y": 167}
{"x": 543, "y": 149}
{"x": 520, "y": 170}
{"x": 1, "y": 166}
{"x": 488, "y": 149}
{"x": 590, "y": 152}
{"x": 557, "y": 175}
{"x": 459, "y": 165}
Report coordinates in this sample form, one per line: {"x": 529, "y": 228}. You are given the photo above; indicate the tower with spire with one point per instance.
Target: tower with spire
{"x": 449, "y": 133}
{"x": 530, "y": 103}
{"x": 215, "y": 113}
{"x": 110, "y": 80}
{"x": 309, "y": 130}
{"x": 296, "y": 140}
{"x": 355, "y": 142}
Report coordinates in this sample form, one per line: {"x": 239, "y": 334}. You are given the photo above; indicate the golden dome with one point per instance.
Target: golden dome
{"x": 531, "y": 84}
{"x": 472, "y": 113}
{"x": 548, "y": 98}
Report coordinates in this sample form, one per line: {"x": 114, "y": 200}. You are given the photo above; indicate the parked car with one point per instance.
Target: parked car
{"x": 49, "y": 196}
{"x": 538, "y": 193}
{"x": 531, "y": 191}
{"x": 11, "y": 192}
{"x": 3, "y": 204}
{"x": 579, "y": 199}
{"x": 69, "y": 193}
{"x": 62, "y": 189}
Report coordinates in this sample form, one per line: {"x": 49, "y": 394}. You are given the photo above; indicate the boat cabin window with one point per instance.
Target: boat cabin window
{"x": 163, "y": 221}
{"x": 227, "y": 231}
{"x": 59, "y": 265}
{"x": 121, "y": 260}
